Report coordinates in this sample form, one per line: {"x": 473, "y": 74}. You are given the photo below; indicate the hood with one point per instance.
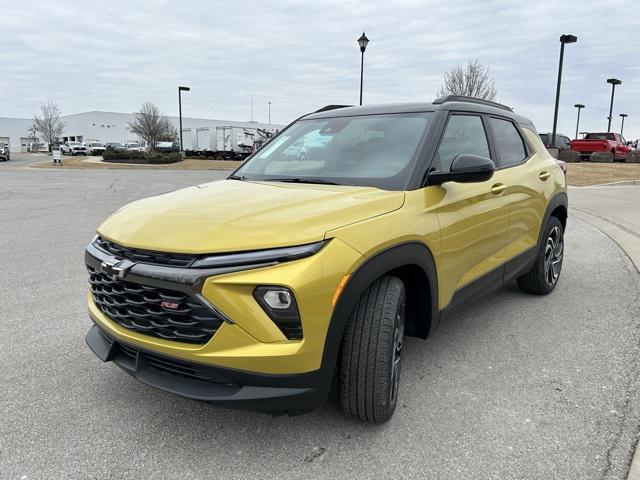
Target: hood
{"x": 232, "y": 215}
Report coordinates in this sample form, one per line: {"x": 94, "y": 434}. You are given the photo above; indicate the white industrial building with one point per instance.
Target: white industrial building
{"x": 113, "y": 127}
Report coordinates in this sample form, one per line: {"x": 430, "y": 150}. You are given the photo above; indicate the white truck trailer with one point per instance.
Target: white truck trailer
{"x": 226, "y": 142}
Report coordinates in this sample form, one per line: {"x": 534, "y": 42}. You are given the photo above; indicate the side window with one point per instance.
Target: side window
{"x": 463, "y": 134}
{"x": 509, "y": 143}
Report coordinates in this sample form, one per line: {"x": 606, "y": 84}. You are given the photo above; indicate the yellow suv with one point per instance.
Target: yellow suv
{"x": 307, "y": 266}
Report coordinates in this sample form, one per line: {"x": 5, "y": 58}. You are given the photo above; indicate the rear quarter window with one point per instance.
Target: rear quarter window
{"x": 509, "y": 144}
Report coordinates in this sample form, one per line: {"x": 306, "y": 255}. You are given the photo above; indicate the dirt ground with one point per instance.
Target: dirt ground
{"x": 584, "y": 173}
{"x": 96, "y": 162}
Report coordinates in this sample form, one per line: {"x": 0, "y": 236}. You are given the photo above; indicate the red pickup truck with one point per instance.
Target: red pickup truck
{"x": 601, "y": 143}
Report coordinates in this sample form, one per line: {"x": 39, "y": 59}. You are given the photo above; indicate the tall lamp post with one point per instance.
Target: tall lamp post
{"x": 363, "y": 41}
{"x": 180, "y": 90}
{"x": 269, "y": 112}
{"x": 613, "y": 82}
{"x": 579, "y": 106}
{"x": 623, "y": 115}
{"x": 563, "y": 39}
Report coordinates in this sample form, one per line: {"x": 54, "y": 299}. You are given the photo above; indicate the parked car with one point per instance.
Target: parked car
{"x": 413, "y": 211}
{"x": 167, "y": 147}
{"x": 114, "y": 145}
{"x": 562, "y": 141}
{"x": 95, "y": 148}
{"x": 5, "y": 155}
{"x": 135, "y": 146}
{"x": 563, "y": 166}
{"x": 73, "y": 148}
{"x": 602, "y": 143}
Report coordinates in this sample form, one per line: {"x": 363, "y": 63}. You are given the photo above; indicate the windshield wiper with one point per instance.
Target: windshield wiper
{"x": 318, "y": 181}
{"x": 236, "y": 177}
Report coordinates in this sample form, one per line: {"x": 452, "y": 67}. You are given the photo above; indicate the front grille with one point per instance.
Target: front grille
{"x": 292, "y": 332}
{"x": 174, "y": 367}
{"x": 145, "y": 256}
{"x": 153, "y": 311}
{"x": 166, "y": 365}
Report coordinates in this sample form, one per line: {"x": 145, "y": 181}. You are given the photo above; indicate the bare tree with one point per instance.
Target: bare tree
{"x": 33, "y": 131}
{"x": 171, "y": 135}
{"x": 472, "y": 81}
{"x": 151, "y": 125}
{"x": 49, "y": 125}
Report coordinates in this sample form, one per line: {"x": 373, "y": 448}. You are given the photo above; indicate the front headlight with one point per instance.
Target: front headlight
{"x": 259, "y": 257}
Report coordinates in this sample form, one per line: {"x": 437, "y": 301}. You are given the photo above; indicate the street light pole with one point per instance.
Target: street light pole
{"x": 269, "y": 113}
{"x": 180, "y": 90}
{"x": 623, "y": 115}
{"x": 613, "y": 82}
{"x": 363, "y": 41}
{"x": 563, "y": 39}
{"x": 579, "y": 106}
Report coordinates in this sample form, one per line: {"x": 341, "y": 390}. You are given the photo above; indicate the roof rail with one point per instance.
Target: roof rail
{"x": 331, "y": 107}
{"x": 463, "y": 98}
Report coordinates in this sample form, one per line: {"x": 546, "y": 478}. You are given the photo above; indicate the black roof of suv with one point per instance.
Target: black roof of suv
{"x": 447, "y": 103}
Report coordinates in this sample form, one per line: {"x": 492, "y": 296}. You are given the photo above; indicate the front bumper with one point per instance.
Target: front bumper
{"x": 260, "y": 369}
{"x": 232, "y": 388}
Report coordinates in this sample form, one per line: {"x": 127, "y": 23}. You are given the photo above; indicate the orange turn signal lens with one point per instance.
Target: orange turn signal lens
{"x": 338, "y": 291}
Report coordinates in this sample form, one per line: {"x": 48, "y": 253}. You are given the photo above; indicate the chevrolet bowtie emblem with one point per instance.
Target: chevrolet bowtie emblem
{"x": 116, "y": 269}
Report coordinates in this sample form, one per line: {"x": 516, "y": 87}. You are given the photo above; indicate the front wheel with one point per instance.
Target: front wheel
{"x": 544, "y": 275}
{"x": 372, "y": 352}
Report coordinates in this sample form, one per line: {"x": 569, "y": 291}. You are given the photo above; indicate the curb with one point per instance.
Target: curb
{"x": 627, "y": 240}
{"x": 634, "y": 470}
{"x": 622, "y": 183}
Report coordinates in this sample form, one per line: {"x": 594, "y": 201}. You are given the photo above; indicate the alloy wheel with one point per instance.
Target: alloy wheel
{"x": 553, "y": 252}
{"x": 398, "y": 338}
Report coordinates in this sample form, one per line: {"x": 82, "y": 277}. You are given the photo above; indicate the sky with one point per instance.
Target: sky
{"x": 301, "y": 55}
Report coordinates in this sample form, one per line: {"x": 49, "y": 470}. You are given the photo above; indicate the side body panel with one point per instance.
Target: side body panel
{"x": 473, "y": 225}
{"x": 530, "y": 187}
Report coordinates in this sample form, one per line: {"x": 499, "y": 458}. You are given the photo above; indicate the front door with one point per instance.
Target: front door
{"x": 473, "y": 217}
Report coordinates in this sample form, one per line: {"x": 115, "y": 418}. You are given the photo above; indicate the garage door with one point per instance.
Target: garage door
{"x": 25, "y": 144}
{"x": 5, "y": 140}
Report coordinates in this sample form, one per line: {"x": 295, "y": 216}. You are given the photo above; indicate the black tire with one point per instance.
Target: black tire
{"x": 544, "y": 275}
{"x": 371, "y": 357}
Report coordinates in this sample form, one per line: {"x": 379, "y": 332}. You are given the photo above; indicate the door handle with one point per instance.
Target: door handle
{"x": 498, "y": 188}
{"x": 544, "y": 175}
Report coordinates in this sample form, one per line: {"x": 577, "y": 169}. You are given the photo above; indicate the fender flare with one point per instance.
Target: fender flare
{"x": 559, "y": 199}
{"x": 410, "y": 253}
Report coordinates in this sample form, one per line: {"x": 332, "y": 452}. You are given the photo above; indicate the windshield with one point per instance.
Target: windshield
{"x": 96, "y": 145}
{"x": 73, "y": 144}
{"x": 371, "y": 150}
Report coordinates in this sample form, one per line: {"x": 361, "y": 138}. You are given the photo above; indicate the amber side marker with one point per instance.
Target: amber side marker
{"x": 338, "y": 291}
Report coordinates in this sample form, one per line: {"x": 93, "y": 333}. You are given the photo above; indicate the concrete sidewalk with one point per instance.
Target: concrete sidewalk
{"x": 615, "y": 210}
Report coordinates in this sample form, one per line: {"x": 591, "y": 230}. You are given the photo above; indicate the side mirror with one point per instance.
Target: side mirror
{"x": 465, "y": 168}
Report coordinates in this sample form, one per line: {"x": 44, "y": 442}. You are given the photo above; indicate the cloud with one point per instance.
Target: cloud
{"x": 301, "y": 55}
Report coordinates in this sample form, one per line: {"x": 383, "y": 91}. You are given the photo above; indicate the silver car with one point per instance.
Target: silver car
{"x": 95, "y": 148}
{"x": 5, "y": 156}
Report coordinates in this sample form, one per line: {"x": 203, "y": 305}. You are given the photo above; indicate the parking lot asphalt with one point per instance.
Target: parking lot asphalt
{"x": 517, "y": 386}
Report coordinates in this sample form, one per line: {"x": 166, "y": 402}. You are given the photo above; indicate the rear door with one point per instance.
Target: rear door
{"x": 473, "y": 217}
{"x": 528, "y": 185}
